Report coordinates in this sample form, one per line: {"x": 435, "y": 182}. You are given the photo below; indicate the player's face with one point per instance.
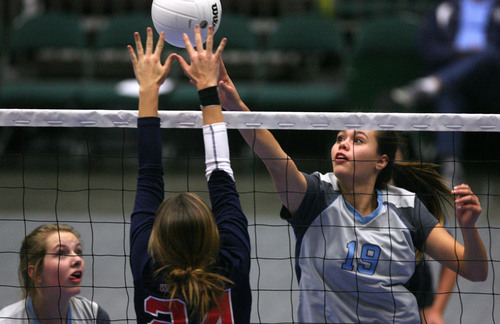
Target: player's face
{"x": 63, "y": 265}
{"x": 354, "y": 155}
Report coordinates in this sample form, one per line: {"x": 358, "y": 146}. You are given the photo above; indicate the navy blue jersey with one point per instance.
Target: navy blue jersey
{"x": 151, "y": 297}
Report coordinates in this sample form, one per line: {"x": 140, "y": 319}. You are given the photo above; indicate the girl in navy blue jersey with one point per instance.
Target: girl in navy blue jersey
{"x": 189, "y": 264}
{"x": 357, "y": 237}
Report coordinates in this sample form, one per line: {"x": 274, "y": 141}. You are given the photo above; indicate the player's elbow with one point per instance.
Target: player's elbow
{"x": 479, "y": 274}
{"x": 482, "y": 276}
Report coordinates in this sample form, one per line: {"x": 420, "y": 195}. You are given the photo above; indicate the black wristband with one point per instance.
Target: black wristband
{"x": 209, "y": 97}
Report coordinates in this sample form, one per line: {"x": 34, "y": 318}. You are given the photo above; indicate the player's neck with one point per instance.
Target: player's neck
{"x": 51, "y": 312}
{"x": 362, "y": 198}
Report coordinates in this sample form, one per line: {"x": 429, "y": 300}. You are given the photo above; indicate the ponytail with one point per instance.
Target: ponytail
{"x": 420, "y": 178}
{"x": 184, "y": 245}
{"x": 429, "y": 186}
{"x": 200, "y": 289}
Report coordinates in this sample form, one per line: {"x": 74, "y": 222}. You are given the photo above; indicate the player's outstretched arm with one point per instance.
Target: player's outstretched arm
{"x": 149, "y": 71}
{"x": 203, "y": 72}
{"x": 288, "y": 180}
{"x": 470, "y": 259}
{"x": 150, "y": 74}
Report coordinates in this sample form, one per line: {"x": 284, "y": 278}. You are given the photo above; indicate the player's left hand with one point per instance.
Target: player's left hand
{"x": 228, "y": 95}
{"x": 467, "y": 205}
{"x": 148, "y": 69}
{"x": 204, "y": 69}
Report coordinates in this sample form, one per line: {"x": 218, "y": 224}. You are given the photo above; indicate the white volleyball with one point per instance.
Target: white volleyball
{"x": 176, "y": 17}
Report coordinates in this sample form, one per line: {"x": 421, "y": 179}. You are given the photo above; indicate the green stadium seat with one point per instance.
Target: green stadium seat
{"x": 2, "y": 40}
{"x": 307, "y": 44}
{"x": 243, "y": 52}
{"x": 46, "y": 55}
{"x": 119, "y": 29}
{"x": 111, "y": 59}
{"x": 40, "y": 94}
{"x": 238, "y": 30}
{"x": 52, "y": 29}
{"x": 384, "y": 55}
{"x": 48, "y": 45}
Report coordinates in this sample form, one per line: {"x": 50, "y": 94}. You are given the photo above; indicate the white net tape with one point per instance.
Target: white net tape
{"x": 268, "y": 120}
{"x": 93, "y": 188}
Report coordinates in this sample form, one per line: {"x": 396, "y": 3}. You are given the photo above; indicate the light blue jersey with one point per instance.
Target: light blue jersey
{"x": 80, "y": 310}
{"x": 352, "y": 268}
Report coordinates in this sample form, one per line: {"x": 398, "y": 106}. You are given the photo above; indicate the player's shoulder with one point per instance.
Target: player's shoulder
{"x": 398, "y": 197}
{"x": 83, "y": 304}
{"x": 324, "y": 179}
{"x": 83, "y": 307}
{"x": 9, "y": 313}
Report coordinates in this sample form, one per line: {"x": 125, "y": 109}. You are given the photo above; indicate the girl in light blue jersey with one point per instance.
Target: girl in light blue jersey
{"x": 357, "y": 238}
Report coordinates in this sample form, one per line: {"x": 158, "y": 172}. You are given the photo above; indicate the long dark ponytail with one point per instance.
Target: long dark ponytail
{"x": 424, "y": 180}
{"x": 419, "y": 177}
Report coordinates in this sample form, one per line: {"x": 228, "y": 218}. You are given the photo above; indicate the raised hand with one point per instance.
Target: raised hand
{"x": 228, "y": 95}
{"x": 204, "y": 68}
{"x": 148, "y": 70}
{"x": 467, "y": 206}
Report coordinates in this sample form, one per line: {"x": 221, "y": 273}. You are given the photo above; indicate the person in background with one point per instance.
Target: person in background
{"x": 189, "y": 263}
{"x": 432, "y": 303}
{"x": 460, "y": 46}
{"x": 51, "y": 270}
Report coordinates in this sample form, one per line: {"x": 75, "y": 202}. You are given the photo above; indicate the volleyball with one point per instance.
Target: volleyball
{"x": 176, "y": 17}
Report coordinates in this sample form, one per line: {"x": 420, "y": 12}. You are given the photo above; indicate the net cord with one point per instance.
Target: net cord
{"x": 255, "y": 120}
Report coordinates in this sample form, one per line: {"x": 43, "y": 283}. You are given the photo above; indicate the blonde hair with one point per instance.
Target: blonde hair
{"x": 32, "y": 253}
{"x": 184, "y": 245}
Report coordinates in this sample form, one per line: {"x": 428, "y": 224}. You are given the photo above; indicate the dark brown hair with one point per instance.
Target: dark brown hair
{"x": 184, "y": 245}
{"x": 419, "y": 177}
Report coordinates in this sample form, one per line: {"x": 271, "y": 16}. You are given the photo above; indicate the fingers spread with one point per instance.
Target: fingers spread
{"x": 169, "y": 62}
{"x": 197, "y": 38}
{"x": 138, "y": 44}
{"x": 220, "y": 49}
{"x": 149, "y": 41}
{"x": 189, "y": 46}
{"x": 184, "y": 65}
{"x": 210, "y": 39}
{"x": 133, "y": 57}
{"x": 160, "y": 44}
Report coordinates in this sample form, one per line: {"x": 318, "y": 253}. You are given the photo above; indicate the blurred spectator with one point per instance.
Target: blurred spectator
{"x": 460, "y": 45}
{"x": 30, "y": 8}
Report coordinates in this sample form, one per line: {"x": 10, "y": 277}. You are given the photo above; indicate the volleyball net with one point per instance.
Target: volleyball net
{"x": 79, "y": 167}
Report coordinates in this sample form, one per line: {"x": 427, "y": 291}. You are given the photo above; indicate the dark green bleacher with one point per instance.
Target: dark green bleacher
{"x": 322, "y": 78}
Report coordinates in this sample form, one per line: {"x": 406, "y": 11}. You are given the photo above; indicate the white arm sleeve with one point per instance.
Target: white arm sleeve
{"x": 216, "y": 149}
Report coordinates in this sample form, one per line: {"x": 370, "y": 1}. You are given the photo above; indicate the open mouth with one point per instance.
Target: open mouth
{"x": 340, "y": 156}
{"x": 77, "y": 275}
